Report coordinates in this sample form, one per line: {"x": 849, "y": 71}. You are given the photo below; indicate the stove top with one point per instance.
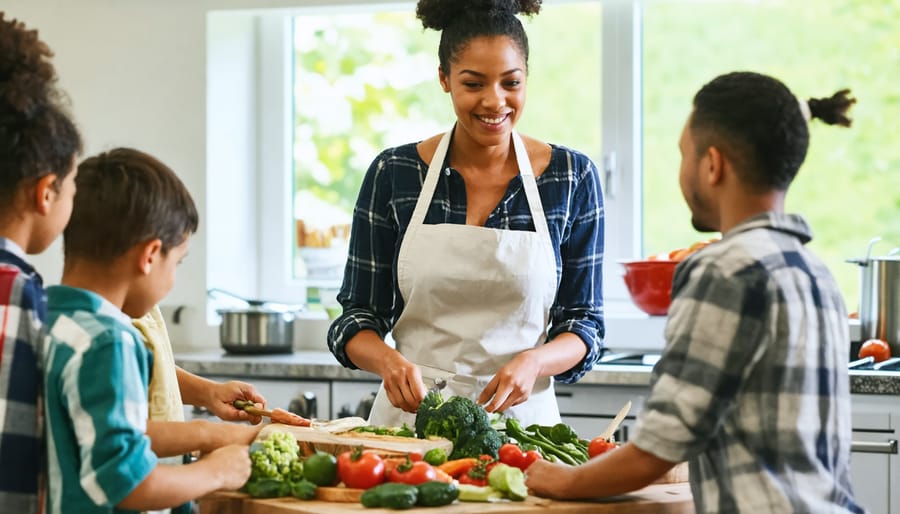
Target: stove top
{"x": 650, "y": 360}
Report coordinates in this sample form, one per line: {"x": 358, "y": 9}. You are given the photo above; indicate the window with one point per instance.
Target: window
{"x": 847, "y": 187}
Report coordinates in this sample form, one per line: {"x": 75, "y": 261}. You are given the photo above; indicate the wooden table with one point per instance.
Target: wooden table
{"x": 653, "y": 499}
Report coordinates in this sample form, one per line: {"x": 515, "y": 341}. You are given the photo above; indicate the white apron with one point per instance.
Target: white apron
{"x": 475, "y": 297}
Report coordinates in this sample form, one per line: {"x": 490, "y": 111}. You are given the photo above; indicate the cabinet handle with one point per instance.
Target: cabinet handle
{"x": 874, "y": 447}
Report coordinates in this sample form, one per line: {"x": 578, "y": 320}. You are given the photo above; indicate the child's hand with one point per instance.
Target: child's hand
{"x": 233, "y": 465}
{"x": 221, "y": 397}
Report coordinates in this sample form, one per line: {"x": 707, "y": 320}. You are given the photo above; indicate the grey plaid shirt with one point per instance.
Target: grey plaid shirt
{"x": 753, "y": 387}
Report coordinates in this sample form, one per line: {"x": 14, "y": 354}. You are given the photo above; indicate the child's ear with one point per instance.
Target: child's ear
{"x": 151, "y": 251}
{"x": 45, "y": 192}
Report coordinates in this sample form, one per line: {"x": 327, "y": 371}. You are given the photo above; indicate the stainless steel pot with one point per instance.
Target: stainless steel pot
{"x": 259, "y": 327}
{"x": 879, "y": 298}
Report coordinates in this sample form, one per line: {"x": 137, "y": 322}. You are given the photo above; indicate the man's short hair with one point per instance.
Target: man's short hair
{"x": 756, "y": 121}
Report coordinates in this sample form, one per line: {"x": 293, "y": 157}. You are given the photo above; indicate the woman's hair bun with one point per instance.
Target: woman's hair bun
{"x": 27, "y": 78}
{"x": 437, "y": 14}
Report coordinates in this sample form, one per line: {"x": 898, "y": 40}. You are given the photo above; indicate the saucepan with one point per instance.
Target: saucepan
{"x": 257, "y": 326}
{"x": 879, "y": 296}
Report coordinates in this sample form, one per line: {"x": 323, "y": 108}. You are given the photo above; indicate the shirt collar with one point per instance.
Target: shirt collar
{"x": 10, "y": 246}
{"x": 792, "y": 224}
{"x": 21, "y": 259}
{"x": 70, "y": 299}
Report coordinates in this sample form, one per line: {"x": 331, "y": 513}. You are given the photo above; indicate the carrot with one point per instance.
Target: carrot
{"x": 457, "y": 467}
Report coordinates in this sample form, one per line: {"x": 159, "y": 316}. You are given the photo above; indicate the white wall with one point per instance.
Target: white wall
{"x": 135, "y": 72}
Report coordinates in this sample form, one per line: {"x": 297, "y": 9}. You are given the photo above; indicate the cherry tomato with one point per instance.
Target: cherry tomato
{"x": 360, "y": 470}
{"x": 512, "y": 455}
{"x": 599, "y": 446}
{"x": 530, "y": 457}
{"x": 877, "y": 348}
{"x": 412, "y": 473}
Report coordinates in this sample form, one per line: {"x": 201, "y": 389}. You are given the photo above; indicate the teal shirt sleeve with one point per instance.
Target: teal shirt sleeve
{"x": 110, "y": 416}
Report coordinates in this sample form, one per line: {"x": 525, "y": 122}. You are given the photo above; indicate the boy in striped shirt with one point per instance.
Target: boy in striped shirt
{"x": 130, "y": 227}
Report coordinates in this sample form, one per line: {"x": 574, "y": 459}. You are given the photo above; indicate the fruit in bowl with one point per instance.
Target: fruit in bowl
{"x": 649, "y": 280}
{"x": 650, "y": 284}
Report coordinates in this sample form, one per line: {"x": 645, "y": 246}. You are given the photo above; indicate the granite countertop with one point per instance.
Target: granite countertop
{"x": 321, "y": 365}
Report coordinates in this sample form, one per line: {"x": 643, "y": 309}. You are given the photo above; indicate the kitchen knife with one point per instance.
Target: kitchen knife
{"x": 614, "y": 424}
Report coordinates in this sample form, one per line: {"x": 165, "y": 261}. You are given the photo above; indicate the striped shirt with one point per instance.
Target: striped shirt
{"x": 752, "y": 387}
{"x": 98, "y": 370}
{"x": 571, "y": 196}
{"x": 22, "y": 312}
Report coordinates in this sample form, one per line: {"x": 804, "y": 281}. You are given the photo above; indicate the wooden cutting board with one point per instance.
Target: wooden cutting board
{"x": 312, "y": 440}
{"x": 653, "y": 499}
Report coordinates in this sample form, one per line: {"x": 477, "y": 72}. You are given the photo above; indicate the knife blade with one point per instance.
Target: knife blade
{"x": 614, "y": 424}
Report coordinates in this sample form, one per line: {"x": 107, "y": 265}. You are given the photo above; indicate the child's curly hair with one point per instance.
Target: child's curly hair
{"x": 37, "y": 135}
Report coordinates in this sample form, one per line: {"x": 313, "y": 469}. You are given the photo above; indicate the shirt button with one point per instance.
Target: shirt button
{"x": 447, "y": 171}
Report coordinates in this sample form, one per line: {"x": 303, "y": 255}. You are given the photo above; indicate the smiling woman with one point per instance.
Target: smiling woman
{"x": 515, "y": 223}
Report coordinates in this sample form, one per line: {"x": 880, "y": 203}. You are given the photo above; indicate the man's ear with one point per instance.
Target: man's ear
{"x": 444, "y": 79}
{"x": 150, "y": 252}
{"x": 45, "y": 192}
{"x": 715, "y": 165}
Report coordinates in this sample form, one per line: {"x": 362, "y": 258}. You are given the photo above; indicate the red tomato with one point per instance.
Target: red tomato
{"x": 360, "y": 470}
{"x": 512, "y": 455}
{"x": 530, "y": 457}
{"x": 877, "y": 348}
{"x": 466, "y": 479}
{"x": 412, "y": 473}
{"x": 599, "y": 446}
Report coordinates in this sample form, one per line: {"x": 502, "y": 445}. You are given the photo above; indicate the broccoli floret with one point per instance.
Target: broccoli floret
{"x": 460, "y": 420}
{"x": 427, "y": 412}
{"x": 485, "y": 442}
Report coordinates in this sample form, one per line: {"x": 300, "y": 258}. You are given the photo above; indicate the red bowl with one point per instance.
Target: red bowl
{"x": 650, "y": 284}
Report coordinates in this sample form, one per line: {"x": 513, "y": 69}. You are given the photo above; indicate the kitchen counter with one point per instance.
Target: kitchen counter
{"x": 653, "y": 499}
{"x": 320, "y": 365}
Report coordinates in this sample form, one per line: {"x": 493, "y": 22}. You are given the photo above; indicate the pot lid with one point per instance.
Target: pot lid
{"x": 253, "y": 306}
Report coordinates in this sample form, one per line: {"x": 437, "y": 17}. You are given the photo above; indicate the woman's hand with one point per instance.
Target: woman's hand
{"x": 402, "y": 382}
{"x": 512, "y": 384}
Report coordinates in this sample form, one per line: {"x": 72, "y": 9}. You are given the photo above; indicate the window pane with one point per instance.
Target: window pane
{"x": 367, "y": 81}
{"x": 847, "y": 187}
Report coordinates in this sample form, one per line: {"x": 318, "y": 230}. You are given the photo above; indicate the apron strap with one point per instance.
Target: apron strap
{"x": 431, "y": 178}
{"x": 529, "y": 184}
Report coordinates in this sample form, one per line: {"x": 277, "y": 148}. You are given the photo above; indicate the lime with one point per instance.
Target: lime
{"x": 320, "y": 468}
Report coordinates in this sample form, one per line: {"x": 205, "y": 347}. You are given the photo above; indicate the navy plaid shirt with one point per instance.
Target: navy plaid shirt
{"x": 752, "y": 387}
{"x": 23, "y": 310}
{"x": 571, "y": 196}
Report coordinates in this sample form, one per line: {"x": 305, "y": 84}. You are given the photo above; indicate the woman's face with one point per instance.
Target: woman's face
{"x": 487, "y": 85}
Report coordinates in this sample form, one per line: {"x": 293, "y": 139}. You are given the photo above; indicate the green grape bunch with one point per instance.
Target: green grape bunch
{"x": 277, "y": 457}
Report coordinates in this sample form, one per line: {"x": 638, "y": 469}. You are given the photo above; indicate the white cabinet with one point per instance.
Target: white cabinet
{"x": 874, "y": 461}
{"x": 589, "y": 408}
